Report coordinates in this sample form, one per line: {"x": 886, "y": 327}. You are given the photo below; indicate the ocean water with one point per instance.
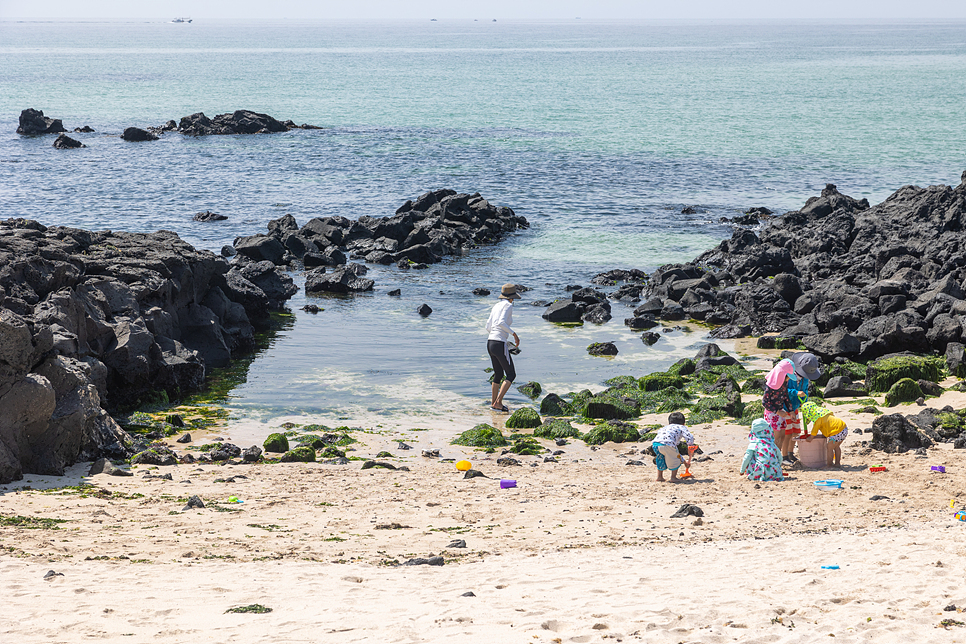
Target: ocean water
{"x": 598, "y": 132}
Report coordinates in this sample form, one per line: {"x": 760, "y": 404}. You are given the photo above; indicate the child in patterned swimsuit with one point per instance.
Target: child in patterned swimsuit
{"x": 832, "y": 428}
{"x": 780, "y": 413}
{"x": 762, "y": 461}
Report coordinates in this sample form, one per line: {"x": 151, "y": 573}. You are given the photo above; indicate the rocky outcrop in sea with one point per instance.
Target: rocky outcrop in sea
{"x": 91, "y": 322}
{"x": 842, "y": 277}
{"x": 422, "y": 231}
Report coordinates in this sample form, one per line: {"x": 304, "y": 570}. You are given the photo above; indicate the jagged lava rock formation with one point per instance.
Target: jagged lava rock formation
{"x": 95, "y": 321}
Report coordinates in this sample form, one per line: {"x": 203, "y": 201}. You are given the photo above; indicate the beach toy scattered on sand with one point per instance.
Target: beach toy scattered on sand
{"x": 877, "y": 468}
{"x": 830, "y": 484}
{"x": 234, "y": 499}
{"x": 938, "y": 468}
{"x": 687, "y": 466}
{"x": 961, "y": 515}
{"x": 505, "y": 483}
{"x": 462, "y": 466}
{"x": 952, "y": 503}
{"x": 830, "y": 567}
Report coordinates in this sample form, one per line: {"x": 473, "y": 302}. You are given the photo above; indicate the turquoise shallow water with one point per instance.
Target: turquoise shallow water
{"x": 598, "y": 133}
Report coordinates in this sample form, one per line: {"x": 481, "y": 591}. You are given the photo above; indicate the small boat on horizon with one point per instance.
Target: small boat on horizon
{"x": 184, "y": 20}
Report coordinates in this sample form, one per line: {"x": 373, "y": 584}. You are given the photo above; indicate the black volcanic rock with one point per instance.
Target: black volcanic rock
{"x": 64, "y": 142}
{"x": 33, "y": 122}
{"x": 96, "y": 321}
{"x": 237, "y": 122}
{"x": 136, "y": 134}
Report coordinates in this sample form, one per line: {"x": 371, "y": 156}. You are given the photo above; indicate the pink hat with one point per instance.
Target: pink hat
{"x": 776, "y": 376}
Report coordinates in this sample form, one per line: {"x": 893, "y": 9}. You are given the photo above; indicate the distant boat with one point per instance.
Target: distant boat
{"x": 494, "y": 20}
{"x": 432, "y": 19}
{"x": 185, "y": 20}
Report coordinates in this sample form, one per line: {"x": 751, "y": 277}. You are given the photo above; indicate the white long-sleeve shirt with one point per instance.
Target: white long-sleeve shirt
{"x": 498, "y": 324}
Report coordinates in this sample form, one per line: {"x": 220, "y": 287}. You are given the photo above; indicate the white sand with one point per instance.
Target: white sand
{"x": 582, "y": 550}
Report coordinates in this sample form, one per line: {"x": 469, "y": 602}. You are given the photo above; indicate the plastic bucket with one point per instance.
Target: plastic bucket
{"x": 507, "y": 483}
{"x": 811, "y": 453}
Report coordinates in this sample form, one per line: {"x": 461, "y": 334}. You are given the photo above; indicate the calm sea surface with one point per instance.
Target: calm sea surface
{"x": 598, "y": 133}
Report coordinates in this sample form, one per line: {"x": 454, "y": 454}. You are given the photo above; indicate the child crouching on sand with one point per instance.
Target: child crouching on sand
{"x": 763, "y": 461}
{"x": 833, "y": 429}
{"x": 665, "y": 446}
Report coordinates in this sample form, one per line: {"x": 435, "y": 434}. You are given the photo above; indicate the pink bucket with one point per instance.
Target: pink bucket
{"x": 812, "y": 453}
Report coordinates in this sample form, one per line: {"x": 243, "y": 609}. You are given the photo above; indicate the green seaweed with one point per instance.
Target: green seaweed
{"x": 752, "y": 411}
{"x": 711, "y": 408}
{"x": 609, "y": 407}
{"x": 882, "y": 374}
{"x": 683, "y": 367}
{"x": 298, "y": 455}
{"x": 621, "y": 381}
{"x": 251, "y": 608}
{"x": 614, "y": 433}
{"x": 531, "y": 390}
{"x": 904, "y": 390}
{"x": 482, "y": 435}
{"x": 660, "y": 380}
{"x": 275, "y": 443}
{"x": 523, "y": 418}
{"x": 525, "y": 446}
{"x": 556, "y": 428}
{"x": 30, "y": 523}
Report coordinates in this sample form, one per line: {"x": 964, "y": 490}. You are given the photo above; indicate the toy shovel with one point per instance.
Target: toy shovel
{"x": 687, "y": 466}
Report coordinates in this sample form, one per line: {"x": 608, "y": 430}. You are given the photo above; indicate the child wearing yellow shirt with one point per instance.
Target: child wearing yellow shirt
{"x": 833, "y": 429}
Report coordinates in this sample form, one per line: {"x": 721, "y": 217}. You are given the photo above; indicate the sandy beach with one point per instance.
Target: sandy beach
{"x": 581, "y": 550}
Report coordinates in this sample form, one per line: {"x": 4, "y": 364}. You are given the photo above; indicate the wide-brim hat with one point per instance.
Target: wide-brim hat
{"x": 806, "y": 365}
{"x": 509, "y": 292}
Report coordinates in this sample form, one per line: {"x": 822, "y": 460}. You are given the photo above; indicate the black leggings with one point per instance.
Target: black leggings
{"x": 502, "y": 362}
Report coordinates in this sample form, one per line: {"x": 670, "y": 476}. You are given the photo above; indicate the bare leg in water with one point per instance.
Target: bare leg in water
{"x": 499, "y": 391}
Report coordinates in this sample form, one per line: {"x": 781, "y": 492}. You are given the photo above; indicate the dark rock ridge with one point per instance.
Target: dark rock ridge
{"x": 237, "y": 122}
{"x": 94, "y": 321}
{"x": 421, "y": 232}
{"x": 844, "y": 278}
{"x": 34, "y": 122}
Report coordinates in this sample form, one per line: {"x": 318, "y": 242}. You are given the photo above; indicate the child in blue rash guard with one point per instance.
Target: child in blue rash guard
{"x": 665, "y": 446}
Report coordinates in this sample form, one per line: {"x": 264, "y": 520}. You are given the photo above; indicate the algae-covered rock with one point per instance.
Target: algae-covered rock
{"x": 523, "y": 418}
{"x": 554, "y": 405}
{"x": 621, "y": 381}
{"x": 482, "y": 435}
{"x": 384, "y": 454}
{"x": 885, "y": 372}
{"x": 298, "y": 455}
{"x": 531, "y": 390}
{"x": 660, "y": 380}
{"x": 710, "y": 408}
{"x": 556, "y": 428}
{"x": 752, "y": 410}
{"x": 311, "y": 440}
{"x": 525, "y": 446}
{"x": 612, "y": 431}
{"x": 905, "y": 390}
{"x": 683, "y": 367}
{"x": 602, "y": 349}
{"x": 609, "y": 408}
{"x": 157, "y": 454}
{"x": 664, "y": 401}
{"x": 754, "y": 385}
{"x": 275, "y": 443}
{"x": 330, "y": 451}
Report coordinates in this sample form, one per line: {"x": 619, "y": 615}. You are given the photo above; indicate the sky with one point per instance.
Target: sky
{"x": 822, "y": 10}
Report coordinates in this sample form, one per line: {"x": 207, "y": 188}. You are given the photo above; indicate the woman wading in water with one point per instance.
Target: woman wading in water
{"x": 498, "y": 346}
